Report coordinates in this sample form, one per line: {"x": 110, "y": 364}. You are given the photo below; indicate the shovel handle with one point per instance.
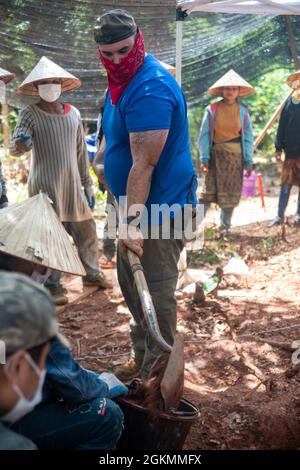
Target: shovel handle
{"x": 146, "y": 301}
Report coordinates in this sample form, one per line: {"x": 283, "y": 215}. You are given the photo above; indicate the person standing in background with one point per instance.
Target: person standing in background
{"x": 288, "y": 140}
{"x": 226, "y": 146}
{"x": 59, "y": 165}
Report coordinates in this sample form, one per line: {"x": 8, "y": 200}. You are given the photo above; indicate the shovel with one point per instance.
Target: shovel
{"x": 171, "y": 385}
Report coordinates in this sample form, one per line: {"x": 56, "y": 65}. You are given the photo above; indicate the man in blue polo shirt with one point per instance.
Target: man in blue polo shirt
{"x": 147, "y": 159}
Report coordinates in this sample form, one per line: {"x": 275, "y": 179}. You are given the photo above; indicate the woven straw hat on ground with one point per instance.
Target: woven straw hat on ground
{"x": 6, "y": 76}
{"x": 293, "y": 80}
{"x": 169, "y": 67}
{"x": 32, "y": 231}
{"x": 231, "y": 78}
{"x": 47, "y": 69}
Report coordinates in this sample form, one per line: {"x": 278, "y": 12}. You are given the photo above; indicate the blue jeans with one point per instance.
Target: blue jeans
{"x": 284, "y": 196}
{"x": 68, "y": 380}
{"x": 94, "y": 425}
{"x": 225, "y": 216}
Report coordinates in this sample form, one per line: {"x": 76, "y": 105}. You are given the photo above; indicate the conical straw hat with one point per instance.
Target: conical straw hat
{"x": 32, "y": 231}
{"x": 293, "y": 80}
{"x": 47, "y": 69}
{"x": 169, "y": 67}
{"x": 6, "y": 76}
{"x": 231, "y": 78}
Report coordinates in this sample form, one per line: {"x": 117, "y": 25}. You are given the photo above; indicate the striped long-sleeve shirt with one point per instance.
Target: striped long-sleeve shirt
{"x": 59, "y": 164}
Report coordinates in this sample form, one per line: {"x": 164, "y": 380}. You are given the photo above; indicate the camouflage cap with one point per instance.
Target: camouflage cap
{"x": 27, "y": 313}
{"x": 114, "y": 26}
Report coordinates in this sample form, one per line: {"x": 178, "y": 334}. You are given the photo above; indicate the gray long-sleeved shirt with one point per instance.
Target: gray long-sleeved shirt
{"x": 59, "y": 164}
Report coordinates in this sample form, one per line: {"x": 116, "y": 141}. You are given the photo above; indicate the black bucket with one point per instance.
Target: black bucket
{"x": 168, "y": 433}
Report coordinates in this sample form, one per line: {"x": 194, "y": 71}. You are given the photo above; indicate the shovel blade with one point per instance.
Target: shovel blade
{"x": 172, "y": 384}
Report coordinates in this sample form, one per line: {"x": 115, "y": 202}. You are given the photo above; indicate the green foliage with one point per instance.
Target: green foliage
{"x": 99, "y": 210}
{"x": 209, "y": 233}
{"x": 12, "y": 120}
{"x": 195, "y": 116}
{"x": 16, "y": 29}
{"x": 204, "y": 256}
{"x": 268, "y": 243}
{"x": 270, "y": 91}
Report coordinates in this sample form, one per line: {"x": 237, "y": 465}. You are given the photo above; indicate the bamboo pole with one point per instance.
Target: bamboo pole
{"x": 271, "y": 121}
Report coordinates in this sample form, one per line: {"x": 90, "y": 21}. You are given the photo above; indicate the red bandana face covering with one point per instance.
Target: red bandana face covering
{"x": 120, "y": 75}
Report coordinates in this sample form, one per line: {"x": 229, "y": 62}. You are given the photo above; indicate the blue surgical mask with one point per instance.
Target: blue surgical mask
{"x": 23, "y": 405}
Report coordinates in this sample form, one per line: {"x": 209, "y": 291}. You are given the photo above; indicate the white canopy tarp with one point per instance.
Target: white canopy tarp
{"x": 265, "y": 7}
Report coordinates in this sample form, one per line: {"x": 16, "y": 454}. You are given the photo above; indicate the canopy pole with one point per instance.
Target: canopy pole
{"x": 178, "y": 50}
{"x": 181, "y": 15}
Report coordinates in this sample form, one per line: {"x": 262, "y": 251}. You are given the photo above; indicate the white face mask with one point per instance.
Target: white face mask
{"x": 50, "y": 91}
{"x": 23, "y": 405}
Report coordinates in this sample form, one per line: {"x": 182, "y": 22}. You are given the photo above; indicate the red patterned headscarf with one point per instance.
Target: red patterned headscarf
{"x": 120, "y": 75}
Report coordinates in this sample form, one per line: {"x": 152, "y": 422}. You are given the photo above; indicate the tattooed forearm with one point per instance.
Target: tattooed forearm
{"x": 146, "y": 148}
{"x": 137, "y": 139}
{"x": 148, "y": 145}
{"x": 138, "y": 185}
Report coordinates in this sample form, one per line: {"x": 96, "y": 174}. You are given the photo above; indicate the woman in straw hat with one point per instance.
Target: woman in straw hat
{"x": 5, "y": 77}
{"x": 288, "y": 139}
{"x": 59, "y": 164}
{"x": 225, "y": 144}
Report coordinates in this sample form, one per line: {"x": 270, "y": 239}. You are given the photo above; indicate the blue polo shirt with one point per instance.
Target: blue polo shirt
{"x": 153, "y": 100}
